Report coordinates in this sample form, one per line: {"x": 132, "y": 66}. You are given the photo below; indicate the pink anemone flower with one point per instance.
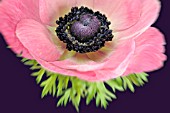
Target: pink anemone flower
{"x": 94, "y": 40}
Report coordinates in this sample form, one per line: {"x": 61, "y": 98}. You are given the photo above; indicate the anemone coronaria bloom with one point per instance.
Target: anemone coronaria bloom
{"x": 29, "y": 28}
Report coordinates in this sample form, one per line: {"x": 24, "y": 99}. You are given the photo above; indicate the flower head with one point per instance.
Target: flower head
{"x": 94, "y": 40}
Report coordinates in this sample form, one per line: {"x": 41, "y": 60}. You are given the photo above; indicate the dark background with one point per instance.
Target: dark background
{"x": 19, "y": 92}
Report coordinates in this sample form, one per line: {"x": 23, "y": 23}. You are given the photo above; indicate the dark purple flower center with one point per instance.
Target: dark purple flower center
{"x": 84, "y": 30}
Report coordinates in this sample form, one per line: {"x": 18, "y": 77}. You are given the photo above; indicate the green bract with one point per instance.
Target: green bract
{"x": 71, "y": 89}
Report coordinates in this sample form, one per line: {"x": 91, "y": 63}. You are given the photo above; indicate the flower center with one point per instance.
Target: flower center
{"x": 83, "y": 30}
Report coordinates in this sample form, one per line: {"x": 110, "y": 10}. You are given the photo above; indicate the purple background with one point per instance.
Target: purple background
{"x": 20, "y": 94}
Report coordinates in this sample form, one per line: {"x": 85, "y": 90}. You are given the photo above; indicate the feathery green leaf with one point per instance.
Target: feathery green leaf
{"x": 58, "y": 86}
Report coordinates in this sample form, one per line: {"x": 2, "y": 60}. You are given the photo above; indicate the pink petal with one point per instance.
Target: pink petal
{"x": 149, "y": 52}
{"x": 115, "y": 66}
{"x": 85, "y": 3}
{"x": 149, "y": 13}
{"x": 114, "y": 69}
{"x": 121, "y": 52}
{"x": 118, "y": 62}
{"x": 51, "y": 10}
{"x": 12, "y": 11}
{"x": 36, "y": 38}
{"x": 89, "y": 76}
{"x": 122, "y": 13}
{"x": 69, "y": 64}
